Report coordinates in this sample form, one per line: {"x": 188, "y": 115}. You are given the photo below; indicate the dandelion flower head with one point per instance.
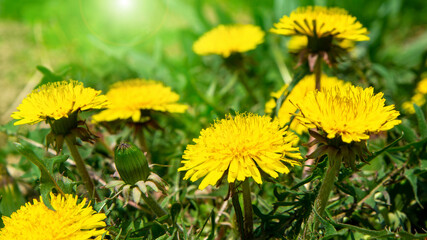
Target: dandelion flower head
{"x": 227, "y": 39}
{"x": 320, "y": 22}
{"x": 349, "y": 112}
{"x": 57, "y": 100}
{"x": 240, "y": 146}
{"x": 303, "y": 87}
{"x": 422, "y": 86}
{"x": 419, "y": 97}
{"x": 70, "y": 220}
{"x": 128, "y": 98}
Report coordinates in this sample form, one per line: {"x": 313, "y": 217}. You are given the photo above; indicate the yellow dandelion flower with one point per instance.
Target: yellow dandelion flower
{"x": 225, "y": 40}
{"x": 349, "y": 112}
{"x": 304, "y": 86}
{"x": 299, "y": 42}
{"x": 422, "y": 86}
{"x": 321, "y": 22}
{"x": 128, "y": 98}
{"x": 57, "y": 100}
{"x": 240, "y": 146}
{"x": 70, "y": 220}
{"x": 419, "y": 97}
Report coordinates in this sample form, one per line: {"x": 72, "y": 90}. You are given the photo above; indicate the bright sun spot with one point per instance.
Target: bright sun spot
{"x": 124, "y": 4}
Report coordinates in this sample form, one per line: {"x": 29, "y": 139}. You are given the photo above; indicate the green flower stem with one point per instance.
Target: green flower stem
{"x": 248, "y": 220}
{"x": 70, "y": 141}
{"x": 143, "y": 143}
{"x": 318, "y": 72}
{"x": 155, "y": 207}
{"x": 237, "y": 210}
{"x": 321, "y": 200}
{"x": 327, "y": 185}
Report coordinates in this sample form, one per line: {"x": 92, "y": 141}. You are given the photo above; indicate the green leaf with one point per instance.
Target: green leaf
{"x": 365, "y": 231}
{"x": 405, "y": 127}
{"x": 258, "y": 212}
{"x": 371, "y": 157}
{"x": 406, "y": 235}
{"x": 11, "y": 198}
{"x": 417, "y": 145}
{"x": 423, "y": 165}
{"x": 413, "y": 180}
{"x": 212, "y": 234}
{"x": 9, "y": 128}
{"x": 317, "y": 173}
{"x": 163, "y": 218}
{"x": 48, "y": 76}
{"x": 347, "y": 188}
{"x": 422, "y": 124}
{"x": 175, "y": 210}
{"x": 330, "y": 230}
{"x": 204, "y": 225}
{"x": 375, "y": 233}
{"x": 47, "y": 182}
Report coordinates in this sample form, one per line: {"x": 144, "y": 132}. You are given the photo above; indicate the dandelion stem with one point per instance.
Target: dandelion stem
{"x": 143, "y": 143}
{"x": 237, "y": 210}
{"x": 155, "y": 206}
{"x": 321, "y": 200}
{"x": 247, "y": 201}
{"x": 318, "y": 72}
{"x": 84, "y": 174}
{"x": 327, "y": 184}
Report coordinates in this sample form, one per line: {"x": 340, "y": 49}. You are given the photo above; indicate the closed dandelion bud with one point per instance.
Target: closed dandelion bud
{"x": 131, "y": 163}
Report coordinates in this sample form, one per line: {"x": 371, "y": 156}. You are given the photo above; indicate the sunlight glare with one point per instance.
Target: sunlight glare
{"x": 124, "y": 4}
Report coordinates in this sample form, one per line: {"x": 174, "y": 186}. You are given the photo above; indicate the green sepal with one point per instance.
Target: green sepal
{"x": 63, "y": 126}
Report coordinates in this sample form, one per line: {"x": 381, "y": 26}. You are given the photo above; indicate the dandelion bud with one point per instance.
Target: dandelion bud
{"x": 131, "y": 163}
